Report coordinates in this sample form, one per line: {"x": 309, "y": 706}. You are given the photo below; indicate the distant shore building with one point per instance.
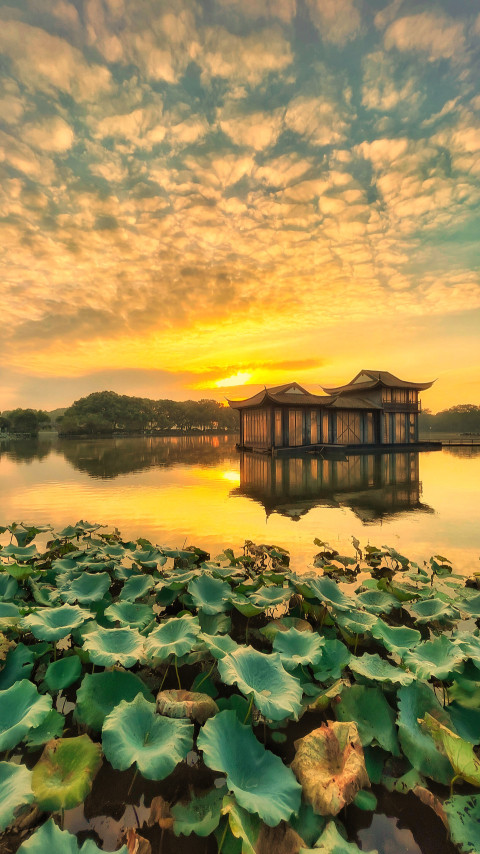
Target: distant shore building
{"x": 374, "y": 410}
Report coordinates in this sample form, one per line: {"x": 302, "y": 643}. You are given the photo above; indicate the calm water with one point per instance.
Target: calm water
{"x": 201, "y": 491}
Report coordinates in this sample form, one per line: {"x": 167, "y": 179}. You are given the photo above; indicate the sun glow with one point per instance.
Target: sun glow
{"x": 237, "y": 379}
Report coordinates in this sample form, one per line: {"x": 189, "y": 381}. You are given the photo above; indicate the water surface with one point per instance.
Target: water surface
{"x": 199, "y": 490}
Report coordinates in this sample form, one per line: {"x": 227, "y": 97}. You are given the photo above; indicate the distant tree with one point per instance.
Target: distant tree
{"x": 24, "y": 421}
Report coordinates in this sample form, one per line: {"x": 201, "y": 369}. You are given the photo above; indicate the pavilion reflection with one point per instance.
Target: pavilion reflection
{"x": 373, "y": 486}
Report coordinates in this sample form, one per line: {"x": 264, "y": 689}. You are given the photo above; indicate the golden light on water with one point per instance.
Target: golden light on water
{"x": 232, "y": 477}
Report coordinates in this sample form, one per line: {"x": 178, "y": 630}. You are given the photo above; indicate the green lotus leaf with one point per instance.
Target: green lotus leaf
{"x": 18, "y": 665}
{"x": 469, "y": 644}
{"x": 21, "y": 708}
{"x": 136, "y": 586}
{"x": 130, "y": 614}
{"x": 463, "y": 689}
{"x": 132, "y": 732}
{"x": 377, "y": 602}
{"x": 245, "y": 606}
{"x": 323, "y": 700}
{"x": 328, "y": 592}
{"x": 418, "y": 746}
{"x": 373, "y": 715}
{"x": 52, "y": 624}
{"x": 51, "y": 727}
{"x": 308, "y": 824}
{"x": 438, "y": 657}
{"x": 235, "y": 703}
{"x": 376, "y": 669}
{"x": 100, "y": 693}
{"x": 49, "y": 838}
{"x": 334, "y": 658}
{"x": 330, "y": 765}
{"x": 60, "y": 674}
{"x": 211, "y": 595}
{"x": 462, "y": 758}
{"x": 201, "y": 815}
{"x": 470, "y": 605}
{"x": 365, "y": 801}
{"x": 466, "y": 722}
{"x": 331, "y": 842}
{"x": 9, "y": 616}
{"x": 8, "y": 584}
{"x": 270, "y": 597}
{"x": 44, "y": 594}
{"x": 283, "y": 624}
{"x": 259, "y": 780}
{"x": 406, "y": 783}
{"x": 463, "y": 813}
{"x": 63, "y": 776}
{"x": 214, "y": 624}
{"x": 20, "y": 553}
{"x": 177, "y": 580}
{"x": 395, "y": 638}
{"x": 276, "y": 694}
{"x": 296, "y": 648}
{"x": 243, "y": 825}
{"x": 15, "y": 791}
{"x": 64, "y": 565}
{"x": 85, "y": 588}
{"x": 176, "y": 636}
{"x": 186, "y": 704}
{"x": 356, "y": 623}
{"x": 219, "y": 645}
{"x": 434, "y": 609}
{"x": 111, "y": 646}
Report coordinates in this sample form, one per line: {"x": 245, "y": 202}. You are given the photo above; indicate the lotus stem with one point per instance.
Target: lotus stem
{"x": 452, "y": 781}
{"x": 178, "y": 675}
{"x": 356, "y": 644}
{"x": 133, "y": 781}
{"x": 164, "y": 676}
{"x": 206, "y": 676}
{"x": 249, "y": 710}
{"x": 55, "y": 650}
{"x": 246, "y": 630}
{"x": 222, "y": 840}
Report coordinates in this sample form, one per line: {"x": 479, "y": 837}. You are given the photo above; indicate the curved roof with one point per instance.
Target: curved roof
{"x": 366, "y": 380}
{"x": 288, "y": 393}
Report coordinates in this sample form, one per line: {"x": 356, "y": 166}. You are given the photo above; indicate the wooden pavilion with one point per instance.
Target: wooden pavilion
{"x": 375, "y": 410}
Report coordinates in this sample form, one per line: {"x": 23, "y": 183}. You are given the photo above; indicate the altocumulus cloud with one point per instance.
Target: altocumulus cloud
{"x": 179, "y": 172}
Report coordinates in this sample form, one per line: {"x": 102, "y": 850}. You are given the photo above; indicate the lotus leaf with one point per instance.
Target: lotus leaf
{"x": 376, "y": 669}
{"x": 462, "y": 758}
{"x": 325, "y": 698}
{"x": 331, "y": 842}
{"x": 176, "y": 636}
{"x": 20, "y": 553}
{"x": 335, "y": 657}
{"x": 200, "y": 815}
{"x": 112, "y": 646}
{"x": 186, "y": 704}
{"x": 328, "y": 593}
{"x": 245, "y": 606}
{"x": 214, "y": 624}
{"x": 283, "y": 624}
{"x": 463, "y": 814}
{"x": 330, "y": 765}
{"x": 60, "y": 674}
{"x": 18, "y": 665}
{"x": 296, "y": 648}
{"x": 308, "y": 823}
{"x": 276, "y": 694}
{"x": 136, "y": 586}
{"x": 470, "y": 605}
{"x": 219, "y": 645}
{"x": 259, "y": 780}
{"x": 357, "y": 623}
{"x": 8, "y": 585}
{"x": 235, "y": 703}
{"x": 435, "y": 609}
{"x": 371, "y": 712}
{"x": 395, "y": 638}
{"x": 49, "y": 838}
{"x": 9, "y": 615}
{"x": 52, "y": 624}
{"x": 466, "y": 722}
{"x": 211, "y": 595}
{"x": 51, "y": 727}
{"x": 130, "y": 614}
{"x": 438, "y": 657}
{"x": 377, "y": 602}
{"x": 15, "y": 791}
{"x": 63, "y": 776}
{"x": 132, "y": 732}
{"x": 100, "y": 693}
{"x": 419, "y": 747}
{"x": 270, "y": 597}
{"x": 85, "y": 588}
{"x": 243, "y": 825}
{"x": 21, "y": 708}
{"x": 463, "y": 689}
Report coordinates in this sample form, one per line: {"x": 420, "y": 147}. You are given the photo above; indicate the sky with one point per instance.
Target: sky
{"x": 200, "y": 197}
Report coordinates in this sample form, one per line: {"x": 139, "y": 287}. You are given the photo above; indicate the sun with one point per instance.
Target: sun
{"x": 236, "y": 379}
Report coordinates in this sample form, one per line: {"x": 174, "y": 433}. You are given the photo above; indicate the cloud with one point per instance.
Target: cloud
{"x": 52, "y": 134}
{"x": 246, "y": 59}
{"x": 386, "y": 89}
{"x": 432, "y": 34}
{"x": 319, "y": 120}
{"x": 338, "y": 21}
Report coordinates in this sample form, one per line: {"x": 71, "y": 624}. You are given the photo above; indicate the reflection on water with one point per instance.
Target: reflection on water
{"x": 199, "y": 490}
{"x": 374, "y": 486}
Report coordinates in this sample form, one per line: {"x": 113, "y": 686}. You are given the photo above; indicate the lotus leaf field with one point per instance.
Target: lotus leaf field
{"x": 236, "y": 705}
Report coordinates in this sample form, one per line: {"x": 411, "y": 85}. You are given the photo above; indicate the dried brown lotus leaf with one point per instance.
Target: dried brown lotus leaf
{"x": 330, "y": 766}
{"x": 178, "y": 703}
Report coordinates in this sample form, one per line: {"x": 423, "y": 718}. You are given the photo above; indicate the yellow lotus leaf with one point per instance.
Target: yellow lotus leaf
{"x": 330, "y": 766}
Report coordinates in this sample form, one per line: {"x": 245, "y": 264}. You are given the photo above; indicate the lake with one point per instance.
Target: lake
{"x": 199, "y": 490}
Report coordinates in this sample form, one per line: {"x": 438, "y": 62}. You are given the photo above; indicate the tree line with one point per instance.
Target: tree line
{"x": 25, "y": 421}
{"x": 107, "y": 413}
{"x": 463, "y": 418}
